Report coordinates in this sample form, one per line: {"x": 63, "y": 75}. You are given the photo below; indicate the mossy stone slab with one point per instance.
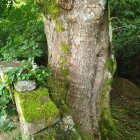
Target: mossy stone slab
{"x": 36, "y": 110}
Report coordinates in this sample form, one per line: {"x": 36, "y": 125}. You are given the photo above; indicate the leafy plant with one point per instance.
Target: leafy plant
{"x": 5, "y": 99}
{"x": 9, "y": 126}
{"x": 28, "y": 70}
{"x": 5, "y": 6}
{"x": 21, "y": 34}
{"x": 19, "y": 137}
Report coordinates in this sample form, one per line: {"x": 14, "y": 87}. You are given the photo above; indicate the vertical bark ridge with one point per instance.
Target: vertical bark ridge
{"x": 101, "y": 56}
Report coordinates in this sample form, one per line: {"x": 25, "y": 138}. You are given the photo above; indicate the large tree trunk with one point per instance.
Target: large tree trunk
{"x": 78, "y": 46}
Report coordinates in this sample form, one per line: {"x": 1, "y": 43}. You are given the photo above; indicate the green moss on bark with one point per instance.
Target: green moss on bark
{"x": 58, "y": 91}
{"x": 51, "y": 8}
{"x": 106, "y": 123}
{"x": 82, "y": 135}
{"x": 65, "y": 48}
{"x": 36, "y": 105}
{"x": 64, "y": 72}
{"x": 111, "y": 64}
{"x": 58, "y": 85}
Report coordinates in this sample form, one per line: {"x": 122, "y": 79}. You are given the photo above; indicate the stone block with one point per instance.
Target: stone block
{"x": 36, "y": 111}
{"x": 25, "y": 85}
{"x": 68, "y": 123}
{"x": 8, "y": 65}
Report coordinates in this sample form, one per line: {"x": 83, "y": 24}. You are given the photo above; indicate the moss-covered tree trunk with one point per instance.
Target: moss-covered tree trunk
{"x": 79, "y": 55}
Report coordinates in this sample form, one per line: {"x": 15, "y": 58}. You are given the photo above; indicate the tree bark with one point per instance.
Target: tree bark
{"x": 78, "y": 46}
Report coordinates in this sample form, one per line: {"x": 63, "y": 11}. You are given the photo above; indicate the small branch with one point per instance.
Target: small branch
{"x": 119, "y": 28}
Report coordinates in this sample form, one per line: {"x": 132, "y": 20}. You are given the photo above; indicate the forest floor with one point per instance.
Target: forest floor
{"x": 125, "y": 107}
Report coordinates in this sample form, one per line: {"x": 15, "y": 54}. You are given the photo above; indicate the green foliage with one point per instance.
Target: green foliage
{"x": 4, "y": 101}
{"x": 126, "y": 34}
{"x": 23, "y": 137}
{"x": 5, "y": 6}
{"x": 21, "y": 34}
{"x": 21, "y": 37}
{"x": 19, "y": 137}
{"x": 9, "y": 126}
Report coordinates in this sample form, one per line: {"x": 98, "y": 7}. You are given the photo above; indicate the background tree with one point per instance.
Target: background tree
{"x": 126, "y": 37}
{"x": 82, "y": 62}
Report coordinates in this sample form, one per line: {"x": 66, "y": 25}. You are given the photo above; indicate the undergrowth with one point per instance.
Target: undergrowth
{"x": 125, "y": 110}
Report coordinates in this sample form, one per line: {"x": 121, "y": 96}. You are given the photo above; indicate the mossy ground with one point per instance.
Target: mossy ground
{"x": 36, "y": 105}
{"x": 125, "y": 107}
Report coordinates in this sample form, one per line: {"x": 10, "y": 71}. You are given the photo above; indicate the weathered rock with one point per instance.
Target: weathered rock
{"x": 8, "y": 65}
{"x": 36, "y": 111}
{"x": 68, "y": 123}
{"x": 25, "y": 85}
{"x": 124, "y": 88}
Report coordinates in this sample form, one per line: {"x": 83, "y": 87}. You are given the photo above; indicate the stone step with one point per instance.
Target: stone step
{"x": 36, "y": 111}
